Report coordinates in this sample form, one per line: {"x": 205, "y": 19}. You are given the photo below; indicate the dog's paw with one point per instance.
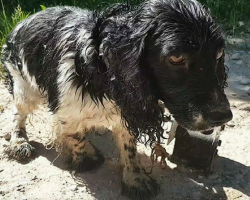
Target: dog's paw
{"x": 85, "y": 159}
{"x": 19, "y": 150}
{"x": 139, "y": 186}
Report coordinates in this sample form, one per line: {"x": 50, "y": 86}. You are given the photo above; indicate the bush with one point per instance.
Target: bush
{"x": 229, "y": 12}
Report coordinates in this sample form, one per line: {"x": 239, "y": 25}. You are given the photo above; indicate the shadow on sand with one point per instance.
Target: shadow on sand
{"x": 104, "y": 183}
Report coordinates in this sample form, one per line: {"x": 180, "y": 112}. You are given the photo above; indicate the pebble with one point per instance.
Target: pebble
{"x": 244, "y": 81}
{"x": 231, "y": 124}
{"x": 7, "y": 136}
{"x": 73, "y": 188}
{"x": 236, "y": 56}
{"x": 64, "y": 182}
{"x": 20, "y": 188}
{"x": 239, "y": 62}
{"x": 34, "y": 178}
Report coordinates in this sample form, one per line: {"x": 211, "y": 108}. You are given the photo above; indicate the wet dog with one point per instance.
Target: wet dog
{"x": 109, "y": 69}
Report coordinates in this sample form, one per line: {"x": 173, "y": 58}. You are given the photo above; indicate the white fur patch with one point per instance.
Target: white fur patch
{"x": 78, "y": 115}
{"x": 77, "y": 112}
{"x": 30, "y": 79}
{"x": 66, "y": 69}
{"x": 25, "y": 95}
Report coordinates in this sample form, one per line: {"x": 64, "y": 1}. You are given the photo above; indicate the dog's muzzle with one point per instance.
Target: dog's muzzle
{"x": 219, "y": 117}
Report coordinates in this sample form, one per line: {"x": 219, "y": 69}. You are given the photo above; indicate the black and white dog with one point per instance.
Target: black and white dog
{"x": 109, "y": 69}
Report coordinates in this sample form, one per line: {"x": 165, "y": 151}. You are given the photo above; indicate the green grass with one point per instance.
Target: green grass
{"x": 230, "y": 13}
{"x": 6, "y": 25}
{"x": 31, "y": 5}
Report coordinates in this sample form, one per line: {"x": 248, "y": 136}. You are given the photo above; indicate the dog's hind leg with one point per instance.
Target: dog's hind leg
{"x": 136, "y": 184}
{"x": 26, "y": 99}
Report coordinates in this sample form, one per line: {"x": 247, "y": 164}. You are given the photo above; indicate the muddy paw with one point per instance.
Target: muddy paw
{"x": 19, "y": 151}
{"x": 139, "y": 186}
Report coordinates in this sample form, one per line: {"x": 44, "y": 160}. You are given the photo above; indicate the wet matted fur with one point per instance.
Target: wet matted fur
{"x": 109, "y": 69}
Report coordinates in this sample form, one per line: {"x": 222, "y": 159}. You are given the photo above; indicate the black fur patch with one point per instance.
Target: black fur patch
{"x": 122, "y": 55}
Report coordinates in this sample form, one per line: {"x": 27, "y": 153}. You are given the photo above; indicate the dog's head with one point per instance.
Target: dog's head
{"x": 190, "y": 71}
{"x": 186, "y": 55}
{"x": 178, "y": 47}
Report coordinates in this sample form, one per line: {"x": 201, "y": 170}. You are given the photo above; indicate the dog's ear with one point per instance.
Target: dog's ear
{"x": 130, "y": 87}
{"x": 126, "y": 49}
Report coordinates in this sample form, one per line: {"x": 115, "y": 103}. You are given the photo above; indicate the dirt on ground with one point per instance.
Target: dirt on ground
{"x": 45, "y": 176}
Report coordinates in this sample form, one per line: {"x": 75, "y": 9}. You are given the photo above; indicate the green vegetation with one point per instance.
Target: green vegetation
{"x": 31, "y": 5}
{"x": 7, "y": 22}
{"x": 233, "y": 14}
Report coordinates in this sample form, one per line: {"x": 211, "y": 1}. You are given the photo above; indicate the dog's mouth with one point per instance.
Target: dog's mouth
{"x": 203, "y": 131}
{"x": 209, "y": 132}
{"x": 203, "y": 127}
{"x": 198, "y": 123}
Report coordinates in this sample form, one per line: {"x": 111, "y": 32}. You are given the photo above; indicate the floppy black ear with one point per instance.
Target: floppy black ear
{"x": 222, "y": 71}
{"x": 131, "y": 89}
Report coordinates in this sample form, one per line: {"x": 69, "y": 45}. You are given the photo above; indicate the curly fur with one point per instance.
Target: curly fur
{"x": 111, "y": 67}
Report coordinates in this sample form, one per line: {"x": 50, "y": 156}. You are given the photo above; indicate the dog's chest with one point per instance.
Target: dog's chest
{"x": 79, "y": 113}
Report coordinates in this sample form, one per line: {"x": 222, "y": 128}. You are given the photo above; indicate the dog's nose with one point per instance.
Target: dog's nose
{"x": 218, "y": 118}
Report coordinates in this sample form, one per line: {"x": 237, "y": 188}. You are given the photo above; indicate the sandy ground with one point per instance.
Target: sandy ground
{"x": 45, "y": 176}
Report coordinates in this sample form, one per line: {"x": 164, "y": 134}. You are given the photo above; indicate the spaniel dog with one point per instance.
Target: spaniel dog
{"x": 110, "y": 69}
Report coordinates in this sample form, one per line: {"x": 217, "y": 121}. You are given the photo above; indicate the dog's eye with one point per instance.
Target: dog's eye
{"x": 219, "y": 54}
{"x": 177, "y": 60}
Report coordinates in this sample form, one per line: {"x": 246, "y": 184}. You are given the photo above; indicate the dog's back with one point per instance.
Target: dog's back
{"x": 54, "y": 55}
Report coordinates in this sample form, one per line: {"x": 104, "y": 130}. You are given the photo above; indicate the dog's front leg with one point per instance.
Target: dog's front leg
{"x": 136, "y": 184}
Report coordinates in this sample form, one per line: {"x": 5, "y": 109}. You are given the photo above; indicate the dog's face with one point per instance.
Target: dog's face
{"x": 186, "y": 55}
{"x": 192, "y": 88}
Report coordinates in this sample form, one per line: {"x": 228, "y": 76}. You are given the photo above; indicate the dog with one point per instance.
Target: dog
{"x": 110, "y": 69}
